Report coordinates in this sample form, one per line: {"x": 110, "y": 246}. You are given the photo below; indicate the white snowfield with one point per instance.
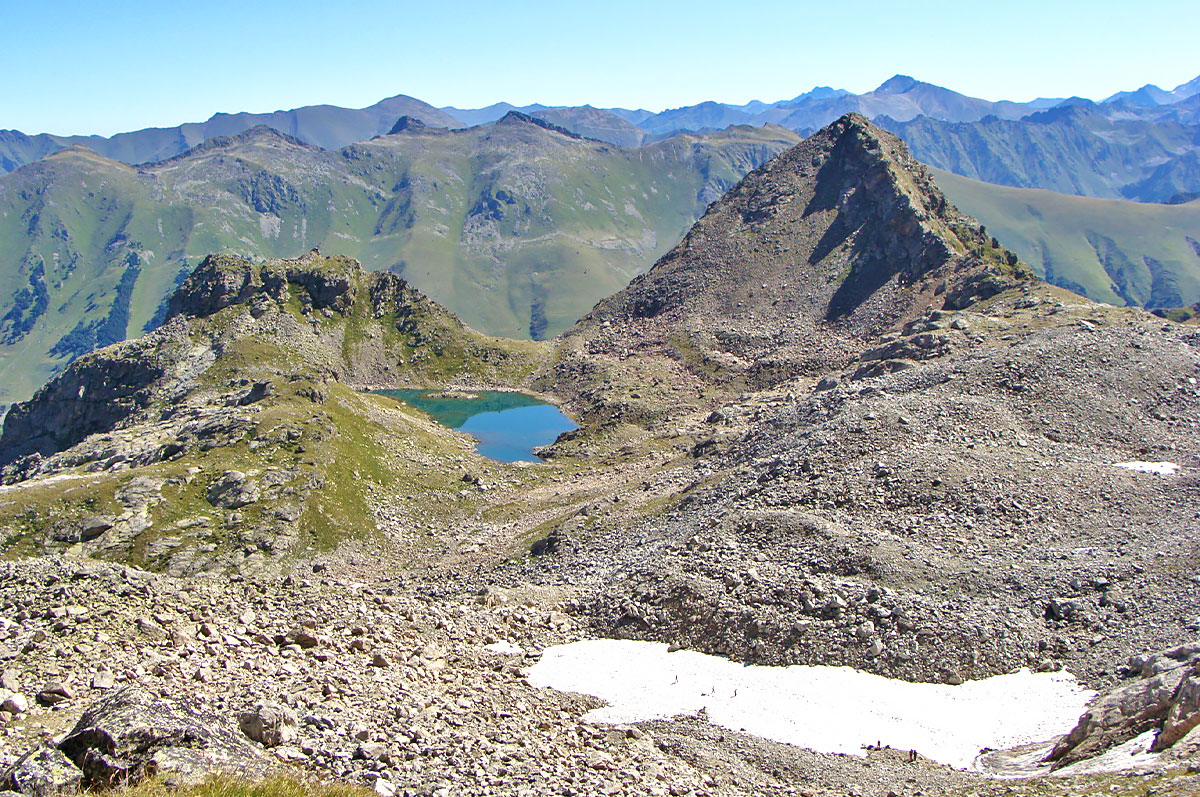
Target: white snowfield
{"x": 1159, "y": 468}
{"x": 827, "y": 709}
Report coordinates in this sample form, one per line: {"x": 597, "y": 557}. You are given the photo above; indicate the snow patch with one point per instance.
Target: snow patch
{"x": 1159, "y": 468}
{"x": 827, "y": 709}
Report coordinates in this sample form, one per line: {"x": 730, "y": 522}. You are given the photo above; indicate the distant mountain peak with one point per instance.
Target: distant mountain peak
{"x": 259, "y": 134}
{"x": 516, "y": 117}
{"x": 1189, "y": 89}
{"x": 897, "y": 84}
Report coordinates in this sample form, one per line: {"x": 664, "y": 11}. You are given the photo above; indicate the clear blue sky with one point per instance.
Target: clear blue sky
{"x": 101, "y": 67}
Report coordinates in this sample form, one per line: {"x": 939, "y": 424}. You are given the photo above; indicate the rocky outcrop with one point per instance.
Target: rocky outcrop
{"x": 269, "y": 724}
{"x": 95, "y": 394}
{"x": 1165, "y": 696}
{"x": 133, "y": 734}
{"x": 224, "y": 280}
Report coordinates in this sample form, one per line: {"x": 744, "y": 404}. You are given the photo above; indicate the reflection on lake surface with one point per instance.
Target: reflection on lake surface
{"x": 508, "y": 426}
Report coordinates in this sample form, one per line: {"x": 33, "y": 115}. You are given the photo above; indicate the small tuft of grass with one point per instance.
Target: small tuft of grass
{"x": 230, "y": 786}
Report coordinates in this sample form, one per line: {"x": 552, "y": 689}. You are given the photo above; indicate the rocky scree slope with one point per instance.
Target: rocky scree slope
{"x": 808, "y": 259}
{"x": 235, "y": 430}
{"x": 934, "y": 492}
{"x": 946, "y": 506}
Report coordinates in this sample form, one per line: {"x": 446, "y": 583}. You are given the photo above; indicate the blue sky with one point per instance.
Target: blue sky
{"x": 102, "y": 67}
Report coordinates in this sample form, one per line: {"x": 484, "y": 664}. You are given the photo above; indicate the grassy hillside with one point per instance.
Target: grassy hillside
{"x": 1109, "y": 250}
{"x": 517, "y": 228}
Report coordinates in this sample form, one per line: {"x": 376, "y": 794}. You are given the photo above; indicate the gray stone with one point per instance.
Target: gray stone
{"x": 10, "y": 681}
{"x": 13, "y": 702}
{"x": 233, "y": 490}
{"x": 1184, "y": 714}
{"x": 269, "y": 724}
{"x": 92, "y": 527}
{"x": 1063, "y": 609}
{"x": 53, "y": 694}
{"x": 43, "y": 772}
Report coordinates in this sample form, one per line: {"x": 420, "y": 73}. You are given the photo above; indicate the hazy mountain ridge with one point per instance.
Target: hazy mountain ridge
{"x": 325, "y": 126}
{"x": 1114, "y": 150}
{"x": 331, "y": 127}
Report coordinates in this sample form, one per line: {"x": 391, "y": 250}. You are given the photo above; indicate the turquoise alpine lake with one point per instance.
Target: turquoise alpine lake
{"x": 508, "y": 426}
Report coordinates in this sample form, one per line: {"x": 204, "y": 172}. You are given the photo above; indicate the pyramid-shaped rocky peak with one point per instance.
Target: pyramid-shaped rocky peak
{"x": 407, "y": 123}
{"x": 840, "y": 239}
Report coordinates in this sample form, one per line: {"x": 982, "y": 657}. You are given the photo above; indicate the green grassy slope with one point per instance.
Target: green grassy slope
{"x": 518, "y": 229}
{"x": 1109, "y": 250}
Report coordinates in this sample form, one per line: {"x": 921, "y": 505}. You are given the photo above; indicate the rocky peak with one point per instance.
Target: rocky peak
{"x": 409, "y": 124}
{"x": 516, "y": 117}
{"x": 798, "y": 269}
{"x": 846, "y": 228}
{"x": 259, "y": 134}
{"x": 223, "y": 280}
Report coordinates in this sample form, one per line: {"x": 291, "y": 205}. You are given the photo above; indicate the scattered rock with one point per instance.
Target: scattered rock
{"x": 269, "y": 724}
{"x": 53, "y": 694}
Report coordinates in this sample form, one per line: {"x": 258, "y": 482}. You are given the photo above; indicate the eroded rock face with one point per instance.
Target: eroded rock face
{"x": 1166, "y": 696}
{"x": 102, "y": 389}
{"x": 224, "y": 280}
{"x": 132, "y": 734}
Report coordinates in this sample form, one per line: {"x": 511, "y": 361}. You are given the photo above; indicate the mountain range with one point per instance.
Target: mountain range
{"x": 1112, "y": 150}
{"x": 508, "y": 221}
{"x": 900, "y": 98}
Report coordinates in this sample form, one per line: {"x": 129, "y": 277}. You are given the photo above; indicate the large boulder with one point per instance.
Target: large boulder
{"x": 233, "y": 490}
{"x": 43, "y": 772}
{"x": 131, "y": 734}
